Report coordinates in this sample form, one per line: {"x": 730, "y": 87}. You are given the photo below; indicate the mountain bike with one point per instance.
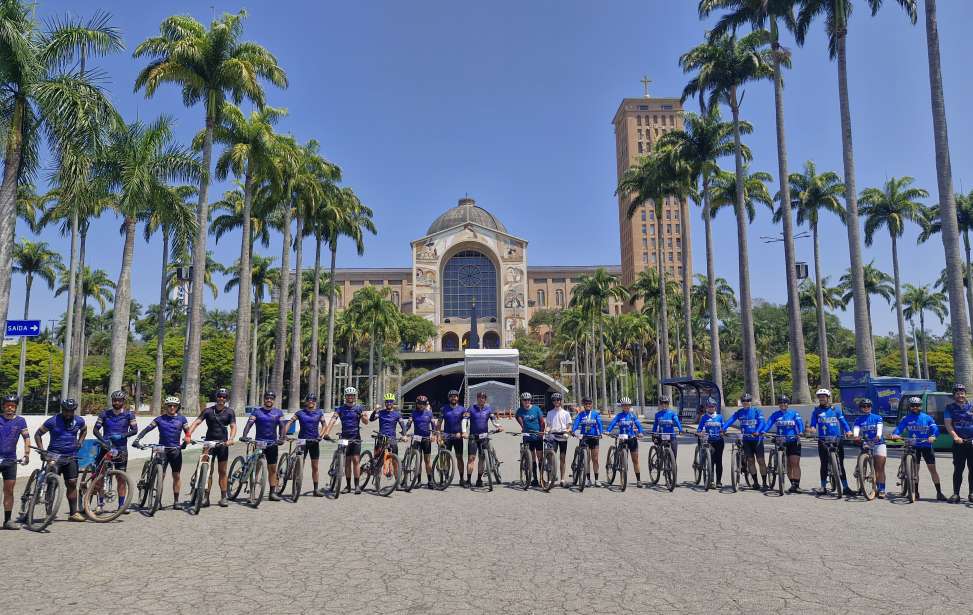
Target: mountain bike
{"x": 486, "y": 458}
{"x": 290, "y": 467}
{"x": 909, "y": 470}
{"x": 44, "y": 489}
{"x": 442, "y": 464}
{"x": 382, "y": 466}
{"x": 412, "y": 463}
{"x": 202, "y": 479}
{"x": 833, "y": 484}
{"x": 662, "y": 460}
{"x": 336, "y": 471}
{"x": 865, "y": 472}
{"x": 739, "y": 473}
{"x": 703, "y": 460}
{"x": 580, "y": 463}
{"x": 150, "y": 483}
{"x": 777, "y": 461}
{"x": 616, "y": 464}
{"x": 548, "y": 469}
{"x": 528, "y": 472}
{"x": 101, "y": 485}
{"x": 249, "y": 472}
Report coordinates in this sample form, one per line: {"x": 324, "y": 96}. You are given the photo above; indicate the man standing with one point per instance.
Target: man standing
{"x": 311, "y": 420}
{"x": 170, "y": 424}
{"x": 958, "y": 416}
{"x": 789, "y": 426}
{"x": 751, "y": 421}
{"x": 67, "y": 431}
{"x": 829, "y": 421}
{"x": 114, "y": 427}
{"x": 451, "y": 426}
{"x": 558, "y": 424}
{"x": 269, "y": 422}
{"x": 421, "y": 423}
{"x": 220, "y": 427}
{"x": 923, "y": 428}
{"x": 531, "y": 421}
{"x": 481, "y": 417}
{"x": 352, "y": 416}
{"x": 588, "y": 426}
{"x": 11, "y": 427}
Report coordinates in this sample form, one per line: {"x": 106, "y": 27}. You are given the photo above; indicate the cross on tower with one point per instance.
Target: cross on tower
{"x": 645, "y": 84}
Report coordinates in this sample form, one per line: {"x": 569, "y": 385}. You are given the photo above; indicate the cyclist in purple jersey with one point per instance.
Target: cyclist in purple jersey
{"x": 480, "y": 415}
{"x": 958, "y": 420}
{"x": 422, "y": 423}
{"x": 451, "y": 426}
{"x": 67, "y": 433}
{"x": 352, "y": 416}
{"x": 113, "y": 428}
{"x": 310, "y": 418}
{"x": 170, "y": 424}
{"x": 220, "y": 427}
{"x": 389, "y": 421}
{"x": 269, "y": 422}
{"x": 11, "y": 428}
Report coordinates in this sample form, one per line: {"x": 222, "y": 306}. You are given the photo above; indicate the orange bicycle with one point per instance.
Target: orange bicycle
{"x": 382, "y": 466}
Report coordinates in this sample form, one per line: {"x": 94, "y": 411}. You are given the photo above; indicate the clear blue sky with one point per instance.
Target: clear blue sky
{"x": 511, "y": 102}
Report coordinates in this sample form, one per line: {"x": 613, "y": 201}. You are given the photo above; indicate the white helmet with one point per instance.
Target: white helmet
{"x": 915, "y": 401}
{"x": 625, "y": 401}
{"x": 172, "y": 400}
{"x": 823, "y": 392}
{"x": 351, "y": 391}
{"x": 525, "y": 396}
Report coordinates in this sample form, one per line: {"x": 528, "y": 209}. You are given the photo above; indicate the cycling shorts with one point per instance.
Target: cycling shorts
{"x": 174, "y": 459}
{"x": 753, "y": 447}
{"x": 425, "y": 446}
{"x": 793, "y": 449}
{"x": 561, "y": 446}
{"x": 879, "y": 450}
{"x": 8, "y": 469}
{"x": 590, "y": 441}
{"x": 927, "y": 455}
{"x": 393, "y": 447}
{"x": 68, "y": 469}
{"x": 121, "y": 460}
{"x": 220, "y": 453}
{"x": 270, "y": 454}
{"x": 472, "y": 446}
{"x": 631, "y": 444}
{"x": 533, "y": 443}
{"x": 312, "y": 449}
{"x": 354, "y": 446}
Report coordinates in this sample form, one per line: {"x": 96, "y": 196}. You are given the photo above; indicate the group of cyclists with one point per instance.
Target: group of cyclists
{"x": 457, "y": 427}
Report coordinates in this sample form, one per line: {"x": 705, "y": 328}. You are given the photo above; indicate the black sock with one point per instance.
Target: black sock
{"x": 315, "y": 486}
{"x": 6, "y": 515}
{"x": 72, "y": 506}
{"x": 638, "y": 477}
{"x": 939, "y": 488}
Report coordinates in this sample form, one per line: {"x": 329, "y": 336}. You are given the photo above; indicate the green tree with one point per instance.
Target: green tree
{"x": 918, "y": 300}
{"x": 34, "y": 259}
{"x": 415, "y": 331}
{"x": 964, "y": 220}
{"x": 877, "y": 282}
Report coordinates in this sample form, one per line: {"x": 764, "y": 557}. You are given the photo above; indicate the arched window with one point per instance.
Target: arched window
{"x": 541, "y": 297}
{"x": 491, "y": 340}
{"x": 467, "y": 276}
{"x": 450, "y": 342}
{"x": 559, "y": 298}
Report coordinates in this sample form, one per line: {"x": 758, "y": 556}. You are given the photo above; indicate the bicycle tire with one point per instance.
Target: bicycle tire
{"x": 654, "y": 462}
{"x": 408, "y": 469}
{"x": 585, "y": 465}
{"x": 707, "y": 469}
{"x": 442, "y": 468}
{"x": 297, "y": 477}
{"x": 199, "y": 487}
{"x": 670, "y": 469}
{"x": 417, "y": 471}
{"x": 27, "y": 495}
{"x": 524, "y": 469}
{"x": 622, "y": 467}
{"x": 910, "y": 476}
{"x": 834, "y": 476}
{"x": 483, "y": 461}
{"x": 494, "y": 464}
{"x": 548, "y": 471}
{"x": 781, "y": 471}
{"x": 390, "y": 473}
{"x": 48, "y": 494}
{"x": 577, "y": 469}
{"x": 111, "y": 482}
{"x": 365, "y": 469}
{"x": 82, "y": 484}
{"x": 866, "y": 476}
{"x": 258, "y": 481}
{"x": 698, "y": 464}
{"x": 143, "y": 484}
{"x": 283, "y": 473}
{"x": 155, "y": 497}
{"x": 335, "y": 473}
{"x": 772, "y": 463}
{"x": 735, "y": 470}
{"x": 611, "y": 464}
{"x": 234, "y": 480}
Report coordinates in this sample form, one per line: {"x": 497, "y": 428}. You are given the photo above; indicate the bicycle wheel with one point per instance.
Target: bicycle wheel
{"x": 611, "y": 467}
{"x": 585, "y": 465}
{"x": 409, "y": 469}
{"x": 707, "y": 468}
{"x": 494, "y": 465}
{"x": 670, "y": 469}
{"x": 548, "y": 471}
{"x": 390, "y": 473}
{"x": 772, "y": 463}
{"x": 365, "y": 468}
{"x": 910, "y": 477}
{"x": 335, "y": 473}
{"x": 258, "y": 481}
{"x": 27, "y": 495}
{"x": 654, "y": 465}
{"x": 155, "y": 495}
{"x": 735, "y": 470}
{"x": 143, "y": 484}
{"x": 417, "y": 470}
{"x": 524, "y": 469}
{"x": 234, "y": 480}
{"x": 283, "y": 473}
{"x": 47, "y": 495}
{"x": 698, "y": 464}
{"x": 483, "y": 463}
{"x": 781, "y": 471}
{"x": 622, "y": 466}
{"x": 297, "y": 477}
{"x": 198, "y": 486}
{"x": 111, "y": 483}
{"x": 442, "y": 469}
{"x": 866, "y": 476}
{"x": 577, "y": 469}
{"x": 82, "y": 485}
{"x": 834, "y": 477}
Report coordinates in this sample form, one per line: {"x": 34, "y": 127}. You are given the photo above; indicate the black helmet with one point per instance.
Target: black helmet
{"x": 587, "y": 400}
{"x": 422, "y": 399}
{"x": 69, "y": 404}
{"x": 270, "y": 395}
{"x": 311, "y": 397}
{"x": 865, "y": 402}
{"x": 556, "y": 397}
{"x": 452, "y": 393}
{"x": 783, "y": 399}
{"x": 746, "y": 397}
{"x": 222, "y": 392}
{"x": 11, "y": 398}
{"x": 118, "y": 395}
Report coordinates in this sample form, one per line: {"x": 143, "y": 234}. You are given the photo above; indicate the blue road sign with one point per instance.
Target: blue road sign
{"x": 27, "y": 328}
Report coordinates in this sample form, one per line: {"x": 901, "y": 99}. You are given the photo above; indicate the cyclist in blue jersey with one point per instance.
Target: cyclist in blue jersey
{"x": 711, "y": 424}
{"x": 923, "y": 428}
{"x": 531, "y": 419}
{"x": 113, "y": 428}
{"x": 453, "y": 432}
{"x": 588, "y": 426}
{"x": 789, "y": 424}
{"x": 829, "y": 421}
{"x": 352, "y": 417}
{"x": 869, "y": 428}
{"x": 67, "y": 431}
{"x": 170, "y": 423}
{"x": 389, "y": 422}
{"x": 422, "y": 423}
{"x": 220, "y": 427}
{"x": 628, "y": 423}
{"x": 958, "y": 417}
{"x": 751, "y": 422}
{"x": 667, "y": 421}
{"x": 11, "y": 428}
{"x": 481, "y": 416}
{"x": 310, "y": 418}
{"x": 269, "y": 422}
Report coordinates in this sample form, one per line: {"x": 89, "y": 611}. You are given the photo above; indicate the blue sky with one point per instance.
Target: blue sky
{"x": 511, "y": 102}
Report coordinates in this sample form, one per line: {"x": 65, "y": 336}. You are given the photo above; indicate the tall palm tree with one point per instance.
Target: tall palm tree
{"x": 836, "y": 14}
{"x": 723, "y": 66}
{"x": 261, "y": 275}
{"x": 892, "y": 206}
{"x": 811, "y": 194}
{"x": 877, "y": 282}
{"x": 94, "y": 285}
{"x": 137, "y": 165}
{"x": 371, "y": 311}
{"x": 209, "y": 65}
{"x": 34, "y": 259}
{"x": 226, "y": 215}
{"x": 593, "y": 294}
{"x": 964, "y": 220}
{"x": 723, "y": 192}
{"x": 918, "y": 300}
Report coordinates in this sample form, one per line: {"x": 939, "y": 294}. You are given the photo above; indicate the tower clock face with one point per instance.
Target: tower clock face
{"x": 469, "y": 275}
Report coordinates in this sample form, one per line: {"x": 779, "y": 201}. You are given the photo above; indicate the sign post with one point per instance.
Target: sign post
{"x": 24, "y": 328}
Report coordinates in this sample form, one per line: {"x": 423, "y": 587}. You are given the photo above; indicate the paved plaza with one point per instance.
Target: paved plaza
{"x": 463, "y": 551}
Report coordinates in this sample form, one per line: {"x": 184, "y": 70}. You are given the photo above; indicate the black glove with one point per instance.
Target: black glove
{"x": 183, "y": 445}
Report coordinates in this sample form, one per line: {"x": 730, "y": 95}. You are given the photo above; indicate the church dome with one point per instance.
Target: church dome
{"x": 466, "y": 211}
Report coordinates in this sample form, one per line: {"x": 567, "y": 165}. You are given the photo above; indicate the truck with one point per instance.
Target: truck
{"x": 886, "y": 392}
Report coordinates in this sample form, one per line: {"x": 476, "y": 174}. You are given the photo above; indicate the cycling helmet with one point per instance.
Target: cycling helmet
{"x": 118, "y": 395}
{"x": 556, "y": 397}
{"x": 864, "y": 402}
{"x": 915, "y": 401}
{"x": 11, "y": 398}
{"x": 783, "y": 399}
{"x": 959, "y": 387}
{"x": 746, "y": 397}
{"x": 665, "y": 398}
{"x": 525, "y": 396}
{"x": 69, "y": 404}
{"x": 453, "y": 393}
{"x": 270, "y": 395}
{"x": 222, "y": 392}
{"x": 389, "y": 397}
{"x": 710, "y": 402}
{"x": 351, "y": 391}
{"x": 823, "y": 392}
{"x": 172, "y": 400}
{"x": 586, "y": 400}
{"x": 625, "y": 401}
{"x": 422, "y": 399}
{"x": 311, "y": 397}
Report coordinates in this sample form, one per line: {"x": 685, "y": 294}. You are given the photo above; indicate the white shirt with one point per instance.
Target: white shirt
{"x": 558, "y": 419}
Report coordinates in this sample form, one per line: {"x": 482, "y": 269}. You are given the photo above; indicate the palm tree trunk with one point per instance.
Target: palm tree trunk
{"x": 280, "y": 339}
{"x": 714, "y": 321}
{"x": 379, "y": 371}
{"x": 922, "y": 332}
{"x": 750, "y": 382}
{"x": 825, "y": 375}
{"x": 604, "y": 372}
{"x": 253, "y": 353}
{"x": 903, "y": 349}
{"x": 122, "y": 310}
{"x": 915, "y": 346}
{"x": 639, "y": 383}
{"x": 161, "y": 332}
{"x": 82, "y": 349}
{"x": 687, "y": 304}
{"x": 968, "y": 274}
{"x": 658, "y": 363}
{"x": 864, "y": 351}
{"x": 23, "y": 345}
{"x": 8, "y": 200}
{"x": 79, "y": 318}
{"x": 294, "y": 398}
{"x": 329, "y": 357}
{"x": 69, "y": 314}
{"x": 962, "y": 357}
{"x": 314, "y": 386}
{"x": 663, "y": 302}
{"x": 241, "y": 352}
{"x": 371, "y": 368}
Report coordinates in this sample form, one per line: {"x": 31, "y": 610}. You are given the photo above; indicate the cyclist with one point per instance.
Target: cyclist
{"x": 559, "y": 420}
{"x": 667, "y": 421}
{"x": 711, "y": 424}
{"x": 751, "y": 421}
{"x": 451, "y": 426}
{"x": 789, "y": 424}
{"x": 530, "y": 418}
{"x": 113, "y": 428}
{"x": 220, "y": 427}
{"x": 269, "y": 421}
{"x": 311, "y": 420}
{"x": 67, "y": 431}
{"x": 628, "y": 423}
{"x": 170, "y": 423}
{"x": 869, "y": 426}
{"x": 421, "y": 423}
{"x": 958, "y": 417}
{"x": 352, "y": 416}
{"x": 923, "y": 428}
{"x": 389, "y": 420}
{"x": 11, "y": 426}
{"x": 588, "y": 426}
{"x": 481, "y": 415}
{"x": 829, "y": 421}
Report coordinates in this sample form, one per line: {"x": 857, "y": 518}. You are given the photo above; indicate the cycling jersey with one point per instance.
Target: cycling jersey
{"x": 170, "y": 428}
{"x": 870, "y": 426}
{"x": 531, "y": 418}
{"x": 666, "y": 421}
{"x": 64, "y": 434}
{"x": 309, "y": 420}
{"x": 558, "y": 419}
{"x": 388, "y": 420}
{"x": 627, "y": 422}
{"x": 10, "y": 430}
{"x": 829, "y": 421}
{"x": 266, "y": 422}
{"x": 751, "y": 423}
{"x": 116, "y": 427}
{"x": 217, "y": 423}
{"x": 480, "y": 419}
{"x": 962, "y": 417}
{"x": 589, "y": 422}
{"x": 350, "y": 417}
{"x": 712, "y": 424}
{"x": 453, "y": 419}
{"x": 920, "y": 426}
{"x": 788, "y": 423}
{"x": 422, "y": 422}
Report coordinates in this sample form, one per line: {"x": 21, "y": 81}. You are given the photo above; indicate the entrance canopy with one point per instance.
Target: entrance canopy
{"x": 492, "y": 363}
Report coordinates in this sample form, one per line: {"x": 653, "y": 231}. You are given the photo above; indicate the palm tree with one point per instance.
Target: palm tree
{"x": 371, "y": 311}
{"x": 260, "y": 282}
{"x": 593, "y": 294}
{"x": 836, "y": 14}
{"x": 877, "y": 282}
{"x": 723, "y": 192}
{"x": 811, "y": 194}
{"x": 250, "y": 149}
{"x": 964, "y": 219}
{"x": 136, "y": 165}
{"x": 209, "y": 65}
{"x": 723, "y": 66}
{"x": 892, "y": 206}
{"x": 93, "y": 285}
{"x": 918, "y": 300}
{"x": 33, "y": 259}
{"x": 226, "y": 215}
